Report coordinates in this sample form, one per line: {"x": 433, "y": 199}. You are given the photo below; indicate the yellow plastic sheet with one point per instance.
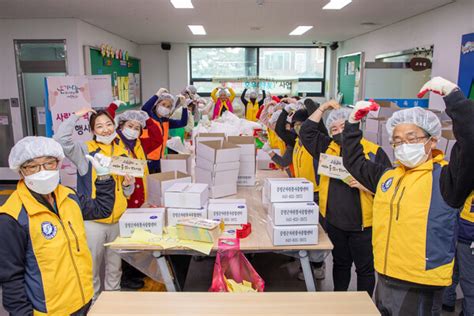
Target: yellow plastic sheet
{"x": 234, "y": 287}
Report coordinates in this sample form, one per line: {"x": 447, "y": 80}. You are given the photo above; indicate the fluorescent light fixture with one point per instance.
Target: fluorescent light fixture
{"x": 336, "y": 4}
{"x": 300, "y": 30}
{"x": 182, "y": 4}
{"x": 197, "y": 29}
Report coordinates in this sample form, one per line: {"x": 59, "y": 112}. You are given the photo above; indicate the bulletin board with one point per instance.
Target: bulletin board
{"x": 349, "y": 74}
{"x": 466, "y": 66}
{"x": 125, "y": 74}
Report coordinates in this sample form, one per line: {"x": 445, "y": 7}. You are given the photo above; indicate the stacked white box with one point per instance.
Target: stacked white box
{"x": 159, "y": 182}
{"x": 292, "y": 214}
{"x": 217, "y": 164}
{"x": 176, "y": 162}
{"x": 184, "y": 200}
{"x": 231, "y": 211}
{"x": 247, "y": 159}
{"x": 149, "y": 219}
{"x": 174, "y": 214}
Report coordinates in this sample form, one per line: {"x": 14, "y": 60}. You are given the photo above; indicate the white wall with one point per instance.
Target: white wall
{"x": 178, "y": 67}
{"x": 155, "y": 71}
{"x": 442, "y": 27}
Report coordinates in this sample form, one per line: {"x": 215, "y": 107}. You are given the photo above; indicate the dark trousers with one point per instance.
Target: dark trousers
{"x": 352, "y": 247}
{"x": 154, "y": 166}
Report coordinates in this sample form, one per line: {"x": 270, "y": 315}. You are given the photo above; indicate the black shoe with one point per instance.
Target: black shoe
{"x": 133, "y": 284}
{"x": 448, "y": 308}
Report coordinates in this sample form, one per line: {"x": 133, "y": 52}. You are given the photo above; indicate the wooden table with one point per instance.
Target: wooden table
{"x": 275, "y": 303}
{"x": 258, "y": 241}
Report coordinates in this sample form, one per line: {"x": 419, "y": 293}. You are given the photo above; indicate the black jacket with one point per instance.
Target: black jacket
{"x": 344, "y": 210}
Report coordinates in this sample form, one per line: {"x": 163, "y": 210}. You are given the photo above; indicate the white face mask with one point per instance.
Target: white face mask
{"x": 163, "y": 111}
{"x": 43, "y": 182}
{"x": 106, "y": 139}
{"x": 411, "y": 155}
{"x": 130, "y": 134}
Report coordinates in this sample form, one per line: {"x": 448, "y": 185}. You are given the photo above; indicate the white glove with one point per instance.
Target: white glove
{"x": 274, "y": 117}
{"x": 161, "y": 91}
{"x": 266, "y": 148}
{"x": 361, "y": 109}
{"x": 290, "y": 107}
{"x": 100, "y": 163}
{"x": 439, "y": 86}
{"x": 119, "y": 103}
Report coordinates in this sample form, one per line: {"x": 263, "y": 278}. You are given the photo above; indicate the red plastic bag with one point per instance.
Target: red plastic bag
{"x": 232, "y": 264}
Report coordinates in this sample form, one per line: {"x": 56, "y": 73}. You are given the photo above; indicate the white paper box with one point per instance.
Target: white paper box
{"x": 214, "y": 178}
{"x": 205, "y": 137}
{"x": 231, "y": 211}
{"x": 306, "y": 213}
{"x": 292, "y": 235}
{"x": 187, "y": 195}
{"x": 178, "y": 162}
{"x": 247, "y": 158}
{"x": 246, "y": 180}
{"x": 246, "y": 143}
{"x": 158, "y": 183}
{"x": 209, "y": 165}
{"x": 289, "y": 190}
{"x": 217, "y": 152}
{"x": 219, "y": 191}
{"x": 149, "y": 219}
{"x": 173, "y": 214}
{"x": 247, "y": 168}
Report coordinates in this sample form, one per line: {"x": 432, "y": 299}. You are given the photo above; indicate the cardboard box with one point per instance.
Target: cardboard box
{"x": 149, "y": 219}
{"x": 209, "y": 165}
{"x": 306, "y": 213}
{"x": 223, "y": 190}
{"x": 217, "y": 152}
{"x": 246, "y": 144}
{"x": 174, "y": 214}
{"x": 247, "y": 168}
{"x": 292, "y": 235}
{"x": 158, "y": 183}
{"x": 204, "y": 230}
{"x": 231, "y": 211}
{"x": 215, "y": 178}
{"x": 187, "y": 195}
{"x": 177, "y": 162}
{"x": 246, "y": 180}
{"x": 288, "y": 190}
{"x": 205, "y": 137}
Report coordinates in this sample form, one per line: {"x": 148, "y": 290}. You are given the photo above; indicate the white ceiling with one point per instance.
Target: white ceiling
{"x": 226, "y": 21}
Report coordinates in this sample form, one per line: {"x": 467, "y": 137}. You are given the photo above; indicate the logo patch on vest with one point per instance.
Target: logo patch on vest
{"x": 48, "y": 230}
{"x": 387, "y": 184}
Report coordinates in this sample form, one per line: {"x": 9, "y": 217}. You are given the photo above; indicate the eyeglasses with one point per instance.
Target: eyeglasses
{"x": 409, "y": 140}
{"x": 35, "y": 168}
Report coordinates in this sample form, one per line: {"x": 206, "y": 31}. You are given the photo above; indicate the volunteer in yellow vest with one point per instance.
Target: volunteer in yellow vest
{"x": 223, "y": 98}
{"x": 346, "y": 207}
{"x": 417, "y": 203}
{"x": 46, "y": 266}
{"x": 252, "y": 105}
{"x": 104, "y": 145}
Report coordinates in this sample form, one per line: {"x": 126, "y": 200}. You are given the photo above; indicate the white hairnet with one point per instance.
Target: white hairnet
{"x": 253, "y": 94}
{"x": 424, "y": 119}
{"x": 32, "y": 147}
{"x": 223, "y": 91}
{"x": 191, "y": 89}
{"x": 132, "y": 115}
{"x": 337, "y": 115}
{"x": 166, "y": 96}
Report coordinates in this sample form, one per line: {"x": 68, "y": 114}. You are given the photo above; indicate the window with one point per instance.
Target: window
{"x": 304, "y": 66}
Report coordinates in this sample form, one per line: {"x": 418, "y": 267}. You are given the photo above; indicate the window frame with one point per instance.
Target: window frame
{"x": 314, "y": 79}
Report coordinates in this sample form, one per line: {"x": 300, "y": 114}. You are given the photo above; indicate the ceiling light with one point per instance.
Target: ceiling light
{"x": 300, "y": 30}
{"x": 182, "y": 4}
{"x": 197, "y": 29}
{"x": 336, "y": 4}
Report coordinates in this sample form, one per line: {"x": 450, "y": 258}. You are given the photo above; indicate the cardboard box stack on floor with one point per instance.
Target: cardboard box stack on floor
{"x": 186, "y": 200}
{"x": 247, "y": 159}
{"x": 292, "y": 214}
{"x": 217, "y": 164}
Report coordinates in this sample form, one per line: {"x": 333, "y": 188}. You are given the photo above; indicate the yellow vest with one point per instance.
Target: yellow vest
{"x": 138, "y": 153}
{"x": 251, "y": 111}
{"x": 413, "y": 228}
{"x": 58, "y": 265}
{"x": 86, "y": 183}
{"x": 275, "y": 142}
{"x": 366, "y": 199}
{"x": 303, "y": 164}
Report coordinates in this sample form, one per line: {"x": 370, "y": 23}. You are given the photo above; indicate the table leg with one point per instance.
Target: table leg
{"x": 307, "y": 271}
{"x": 165, "y": 271}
